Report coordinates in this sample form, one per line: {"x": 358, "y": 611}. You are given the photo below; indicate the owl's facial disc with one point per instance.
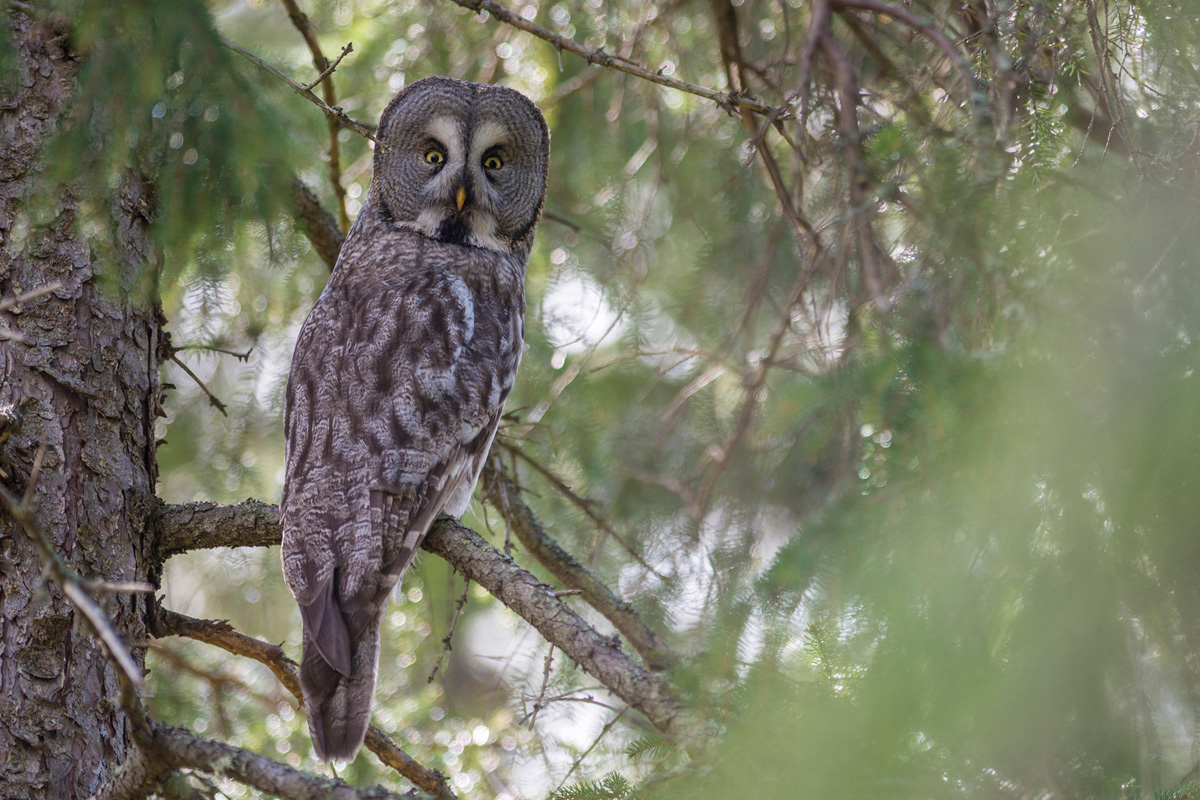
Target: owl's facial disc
{"x": 456, "y": 205}
{"x": 462, "y": 163}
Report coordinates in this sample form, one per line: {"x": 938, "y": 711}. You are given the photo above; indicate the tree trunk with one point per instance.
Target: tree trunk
{"x": 81, "y": 379}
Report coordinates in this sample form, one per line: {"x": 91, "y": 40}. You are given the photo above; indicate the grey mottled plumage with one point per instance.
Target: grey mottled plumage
{"x": 401, "y": 371}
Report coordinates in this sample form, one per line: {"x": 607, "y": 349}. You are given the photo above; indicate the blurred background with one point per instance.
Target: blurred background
{"x": 876, "y": 399}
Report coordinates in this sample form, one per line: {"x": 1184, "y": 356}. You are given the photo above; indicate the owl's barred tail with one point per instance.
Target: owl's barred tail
{"x": 339, "y": 706}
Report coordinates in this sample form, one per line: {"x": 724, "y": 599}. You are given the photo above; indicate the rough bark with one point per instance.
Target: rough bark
{"x": 81, "y": 378}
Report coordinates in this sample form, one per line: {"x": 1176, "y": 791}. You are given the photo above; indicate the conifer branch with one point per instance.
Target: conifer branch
{"x": 504, "y": 497}
{"x": 163, "y": 749}
{"x": 335, "y": 112}
{"x": 727, "y": 100}
{"x": 221, "y": 634}
{"x": 199, "y": 525}
{"x": 317, "y": 224}
{"x": 926, "y": 29}
{"x": 325, "y": 69}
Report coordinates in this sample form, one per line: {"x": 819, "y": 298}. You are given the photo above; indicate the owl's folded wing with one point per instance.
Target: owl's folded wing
{"x": 385, "y": 427}
{"x": 443, "y": 418}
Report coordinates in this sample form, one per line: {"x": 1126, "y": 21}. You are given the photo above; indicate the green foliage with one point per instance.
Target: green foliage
{"x": 612, "y": 787}
{"x": 650, "y": 747}
{"x": 942, "y": 549}
{"x": 1001, "y": 604}
{"x": 161, "y": 100}
{"x": 1185, "y": 791}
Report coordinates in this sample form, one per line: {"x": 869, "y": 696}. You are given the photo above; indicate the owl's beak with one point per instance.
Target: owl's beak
{"x": 460, "y": 197}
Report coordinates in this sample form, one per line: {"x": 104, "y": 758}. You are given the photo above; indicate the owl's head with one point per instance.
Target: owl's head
{"x": 463, "y": 163}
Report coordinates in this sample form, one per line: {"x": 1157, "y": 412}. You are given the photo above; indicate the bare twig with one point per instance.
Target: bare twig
{"x": 673, "y": 485}
{"x": 10, "y": 302}
{"x": 537, "y": 704}
{"x": 35, "y": 472}
{"x": 570, "y": 87}
{"x": 569, "y": 375}
{"x": 725, "y": 18}
{"x": 1108, "y": 84}
{"x": 117, "y": 587}
{"x": 219, "y": 681}
{"x": 603, "y": 732}
{"x": 32, "y": 294}
{"x": 716, "y": 463}
{"x": 212, "y": 398}
{"x": 176, "y": 787}
{"x": 577, "y": 228}
{"x": 930, "y": 31}
{"x": 221, "y": 634}
{"x": 727, "y": 100}
{"x": 728, "y": 41}
{"x": 449, "y": 637}
{"x": 848, "y": 98}
{"x": 214, "y": 349}
{"x": 582, "y": 504}
{"x": 571, "y": 697}
{"x": 100, "y": 625}
{"x": 349, "y": 48}
{"x": 344, "y": 119}
{"x": 818, "y": 23}
{"x": 711, "y": 468}
{"x": 325, "y": 70}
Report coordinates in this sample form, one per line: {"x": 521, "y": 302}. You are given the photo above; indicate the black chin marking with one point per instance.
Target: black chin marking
{"x": 453, "y": 230}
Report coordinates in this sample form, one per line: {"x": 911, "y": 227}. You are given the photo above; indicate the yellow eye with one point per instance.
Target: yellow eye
{"x": 492, "y": 162}
{"x": 435, "y": 157}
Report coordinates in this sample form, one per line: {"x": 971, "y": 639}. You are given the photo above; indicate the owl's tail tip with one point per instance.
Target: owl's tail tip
{"x": 337, "y": 745}
{"x": 338, "y": 706}
{"x": 338, "y": 719}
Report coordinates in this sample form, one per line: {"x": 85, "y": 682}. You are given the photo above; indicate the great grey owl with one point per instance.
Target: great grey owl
{"x": 401, "y": 371}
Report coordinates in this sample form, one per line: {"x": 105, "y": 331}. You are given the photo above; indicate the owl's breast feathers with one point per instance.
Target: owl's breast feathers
{"x": 396, "y": 389}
